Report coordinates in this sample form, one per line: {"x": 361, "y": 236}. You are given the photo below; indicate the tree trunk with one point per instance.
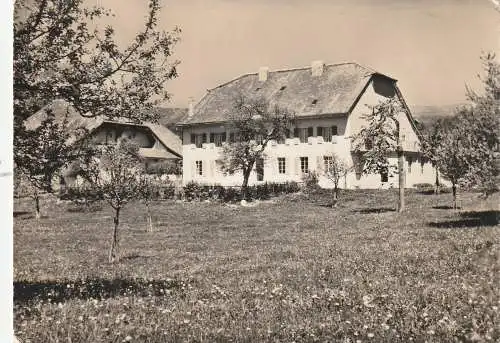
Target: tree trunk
{"x": 335, "y": 196}
{"x": 113, "y": 252}
{"x": 150, "y": 219}
{"x": 401, "y": 173}
{"x": 37, "y": 206}
{"x": 454, "y": 192}
{"x": 436, "y": 189}
{"x": 244, "y": 186}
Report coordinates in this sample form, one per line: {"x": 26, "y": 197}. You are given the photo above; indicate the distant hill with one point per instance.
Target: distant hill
{"x": 426, "y": 115}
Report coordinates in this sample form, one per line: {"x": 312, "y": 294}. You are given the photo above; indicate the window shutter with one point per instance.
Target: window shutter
{"x": 296, "y": 132}
{"x": 212, "y": 137}
{"x": 297, "y": 166}
{"x": 288, "y": 166}
{"x": 224, "y": 136}
{"x": 319, "y": 131}
{"x": 212, "y": 169}
{"x": 193, "y": 170}
{"x": 204, "y": 138}
{"x": 310, "y": 131}
{"x": 334, "y": 130}
{"x": 193, "y": 138}
{"x": 319, "y": 167}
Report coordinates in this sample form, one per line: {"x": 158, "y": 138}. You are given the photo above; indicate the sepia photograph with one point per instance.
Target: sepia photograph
{"x": 252, "y": 171}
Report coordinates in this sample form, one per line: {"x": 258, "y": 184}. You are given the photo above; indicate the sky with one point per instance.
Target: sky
{"x": 431, "y": 46}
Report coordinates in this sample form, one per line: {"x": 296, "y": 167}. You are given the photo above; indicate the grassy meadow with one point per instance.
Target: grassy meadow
{"x": 291, "y": 269}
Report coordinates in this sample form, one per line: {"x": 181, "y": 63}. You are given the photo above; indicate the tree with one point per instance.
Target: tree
{"x": 381, "y": 137}
{"x": 254, "y": 123}
{"x": 114, "y": 176}
{"x": 431, "y": 141}
{"x": 58, "y": 54}
{"x": 335, "y": 170}
{"x": 451, "y": 155}
{"x": 148, "y": 190}
{"x": 482, "y": 123}
{"x": 42, "y": 153}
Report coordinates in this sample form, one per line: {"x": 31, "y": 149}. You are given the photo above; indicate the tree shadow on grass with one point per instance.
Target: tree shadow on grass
{"x": 444, "y": 207}
{"x": 374, "y": 210}
{"x": 134, "y": 257}
{"x": 470, "y": 219}
{"x": 26, "y": 292}
{"x": 23, "y": 214}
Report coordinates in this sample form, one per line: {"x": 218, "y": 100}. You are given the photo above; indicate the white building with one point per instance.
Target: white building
{"x": 328, "y": 101}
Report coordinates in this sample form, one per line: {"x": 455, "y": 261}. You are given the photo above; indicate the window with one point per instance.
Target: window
{"x": 282, "y": 88}
{"x": 422, "y": 164}
{"x": 384, "y": 176}
{"x": 218, "y": 138}
{"x": 304, "y": 165}
{"x": 259, "y": 139}
{"x": 281, "y": 165}
{"x": 259, "y": 166}
{"x": 302, "y": 134}
{"x": 327, "y": 133}
{"x": 410, "y": 161}
{"x": 328, "y": 162}
{"x": 199, "y": 167}
{"x": 198, "y": 139}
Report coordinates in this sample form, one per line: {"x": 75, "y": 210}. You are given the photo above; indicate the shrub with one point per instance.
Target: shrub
{"x": 311, "y": 181}
{"x": 196, "y": 192}
{"x": 193, "y": 191}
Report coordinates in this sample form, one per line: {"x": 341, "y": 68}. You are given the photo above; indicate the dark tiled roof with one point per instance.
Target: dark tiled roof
{"x": 333, "y": 92}
{"x": 170, "y": 116}
{"x": 63, "y": 111}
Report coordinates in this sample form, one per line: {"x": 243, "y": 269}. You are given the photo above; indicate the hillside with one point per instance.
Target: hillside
{"x": 426, "y": 115}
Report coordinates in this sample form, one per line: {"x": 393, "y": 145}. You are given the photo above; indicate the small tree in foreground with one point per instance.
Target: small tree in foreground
{"x": 482, "y": 123}
{"x": 253, "y": 123}
{"x": 148, "y": 190}
{"x": 335, "y": 170}
{"x": 113, "y": 175}
{"x": 41, "y": 154}
{"x": 432, "y": 140}
{"x": 451, "y": 156}
{"x": 379, "y": 139}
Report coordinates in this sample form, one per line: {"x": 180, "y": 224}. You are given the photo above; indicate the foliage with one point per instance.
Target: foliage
{"x": 41, "y": 154}
{"x": 310, "y": 181}
{"x": 482, "y": 123}
{"x": 254, "y": 123}
{"x": 196, "y": 192}
{"x": 59, "y": 53}
{"x": 165, "y": 168}
{"x": 114, "y": 175}
{"x": 336, "y": 170}
{"x": 376, "y": 141}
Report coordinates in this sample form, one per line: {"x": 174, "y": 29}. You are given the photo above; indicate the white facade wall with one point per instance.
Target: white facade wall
{"x": 315, "y": 149}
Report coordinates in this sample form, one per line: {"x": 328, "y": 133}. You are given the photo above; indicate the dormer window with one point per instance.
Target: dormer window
{"x": 282, "y": 88}
{"x": 314, "y": 102}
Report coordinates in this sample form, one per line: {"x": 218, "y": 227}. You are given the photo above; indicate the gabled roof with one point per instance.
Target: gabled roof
{"x": 333, "y": 92}
{"x": 171, "y": 116}
{"x": 63, "y": 111}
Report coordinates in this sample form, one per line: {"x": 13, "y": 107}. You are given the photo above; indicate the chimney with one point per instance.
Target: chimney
{"x": 317, "y": 68}
{"x": 263, "y": 73}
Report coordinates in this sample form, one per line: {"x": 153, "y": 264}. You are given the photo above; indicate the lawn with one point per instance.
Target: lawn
{"x": 290, "y": 269}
